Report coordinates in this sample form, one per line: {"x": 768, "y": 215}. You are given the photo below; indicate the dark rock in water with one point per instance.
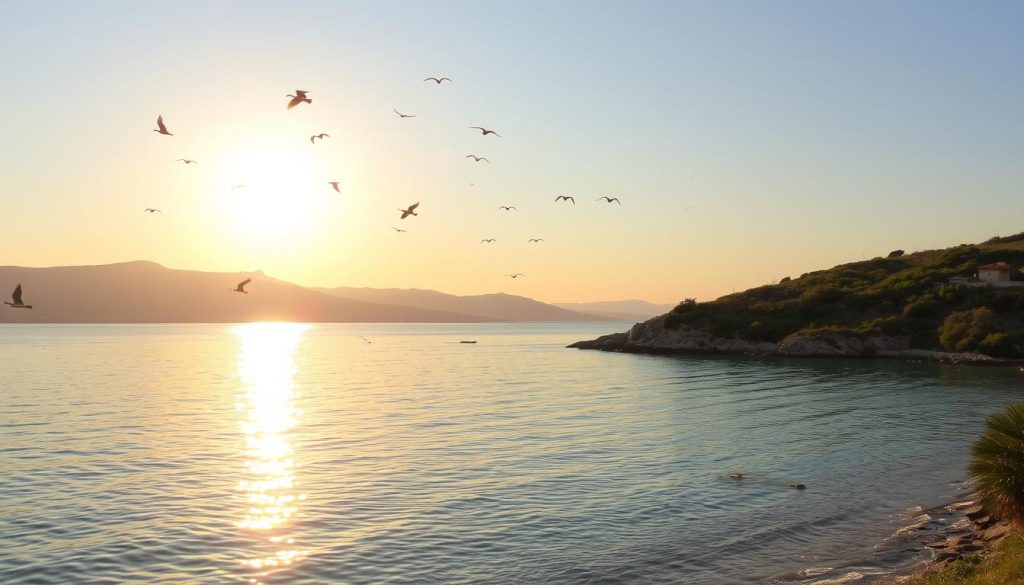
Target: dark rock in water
{"x": 936, "y": 544}
{"x": 796, "y": 486}
{"x": 974, "y": 512}
{"x": 736, "y": 476}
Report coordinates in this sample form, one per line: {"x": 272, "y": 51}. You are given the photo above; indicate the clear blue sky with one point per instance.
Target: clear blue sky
{"x": 747, "y": 140}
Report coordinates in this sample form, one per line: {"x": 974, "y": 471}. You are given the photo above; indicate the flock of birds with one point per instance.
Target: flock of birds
{"x": 300, "y": 97}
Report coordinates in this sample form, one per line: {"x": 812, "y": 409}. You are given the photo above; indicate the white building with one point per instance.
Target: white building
{"x": 994, "y": 274}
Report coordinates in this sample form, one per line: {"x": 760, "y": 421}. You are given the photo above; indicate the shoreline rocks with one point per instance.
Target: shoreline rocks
{"x": 652, "y": 337}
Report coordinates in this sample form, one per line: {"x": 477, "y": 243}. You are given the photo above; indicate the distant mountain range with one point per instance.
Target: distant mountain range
{"x": 146, "y": 292}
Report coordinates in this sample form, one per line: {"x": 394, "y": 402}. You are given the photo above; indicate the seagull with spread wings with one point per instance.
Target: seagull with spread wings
{"x": 16, "y": 298}
{"x": 568, "y": 198}
{"x": 399, "y": 230}
{"x": 160, "y": 126}
{"x": 187, "y": 161}
{"x": 609, "y": 199}
{"x": 485, "y": 131}
{"x": 507, "y": 208}
{"x": 240, "y": 287}
{"x": 516, "y": 275}
{"x": 152, "y": 210}
{"x": 298, "y": 98}
{"x": 437, "y": 80}
{"x": 488, "y": 241}
{"x": 411, "y": 210}
{"x": 477, "y": 158}
{"x": 535, "y": 240}
{"x": 401, "y": 115}
{"x": 321, "y": 136}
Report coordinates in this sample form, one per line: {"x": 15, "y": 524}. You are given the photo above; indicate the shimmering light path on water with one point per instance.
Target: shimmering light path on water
{"x": 277, "y": 453}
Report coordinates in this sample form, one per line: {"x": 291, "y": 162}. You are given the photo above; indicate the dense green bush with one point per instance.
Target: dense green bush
{"x": 997, "y": 464}
{"x": 966, "y": 330}
{"x": 895, "y": 254}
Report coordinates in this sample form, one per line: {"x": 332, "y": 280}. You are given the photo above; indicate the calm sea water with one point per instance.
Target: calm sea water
{"x": 287, "y": 454}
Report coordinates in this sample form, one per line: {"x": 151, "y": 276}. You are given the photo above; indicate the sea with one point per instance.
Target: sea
{"x": 282, "y": 453}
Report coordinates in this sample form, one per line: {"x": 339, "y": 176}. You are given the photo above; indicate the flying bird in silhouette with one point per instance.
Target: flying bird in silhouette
{"x": 507, "y": 208}
{"x": 152, "y": 210}
{"x": 334, "y": 185}
{"x": 321, "y": 136}
{"x": 568, "y": 198}
{"x": 478, "y": 158}
{"x": 437, "y": 80}
{"x": 160, "y": 126}
{"x": 298, "y": 98}
{"x": 240, "y": 287}
{"x": 488, "y": 241}
{"x": 516, "y": 275}
{"x": 485, "y": 131}
{"x": 16, "y": 297}
{"x": 401, "y": 115}
{"x": 401, "y": 231}
{"x": 188, "y": 161}
{"x": 410, "y": 211}
{"x": 535, "y": 240}
{"x": 609, "y": 199}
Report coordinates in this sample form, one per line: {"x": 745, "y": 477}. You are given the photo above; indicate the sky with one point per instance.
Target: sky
{"x": 747, "y": 141}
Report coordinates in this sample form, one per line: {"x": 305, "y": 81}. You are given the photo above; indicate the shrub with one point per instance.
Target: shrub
{"x": 965, "y": 330}
{"x": 786, "y": 279}
{"x": 895, "y": 254}
{"x": 997, "y": 464}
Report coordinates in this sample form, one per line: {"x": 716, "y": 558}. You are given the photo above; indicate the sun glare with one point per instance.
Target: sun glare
{"x": 272, "y": 194}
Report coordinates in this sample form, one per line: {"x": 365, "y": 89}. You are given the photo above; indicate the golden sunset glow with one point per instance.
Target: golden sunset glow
{"x": 271, "y": 495}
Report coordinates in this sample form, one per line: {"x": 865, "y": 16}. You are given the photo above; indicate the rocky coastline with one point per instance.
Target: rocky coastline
{"x": 652, "y": 337}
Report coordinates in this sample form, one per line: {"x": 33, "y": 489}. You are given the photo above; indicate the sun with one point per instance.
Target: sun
{"x": 272, "y": 194}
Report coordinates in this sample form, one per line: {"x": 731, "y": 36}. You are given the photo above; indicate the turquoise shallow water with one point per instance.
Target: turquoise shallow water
{"x": 286, "y": 454}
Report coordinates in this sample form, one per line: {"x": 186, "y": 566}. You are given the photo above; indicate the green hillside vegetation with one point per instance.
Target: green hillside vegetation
{"x": 902, "y": 295}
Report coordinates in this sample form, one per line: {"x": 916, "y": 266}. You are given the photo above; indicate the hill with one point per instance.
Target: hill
{"x": 631, "y": 310}
{"x": 491, "y": 307}
{"x": 879, "y": 306}
{"x": 146, "y": 292}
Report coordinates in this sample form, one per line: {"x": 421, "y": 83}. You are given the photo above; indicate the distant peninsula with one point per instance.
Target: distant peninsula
{"x": 146, "y": 292}
{"x": 964, "y": 304}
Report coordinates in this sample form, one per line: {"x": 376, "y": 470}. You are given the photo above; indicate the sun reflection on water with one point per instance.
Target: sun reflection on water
{"x": 266, "y": 367}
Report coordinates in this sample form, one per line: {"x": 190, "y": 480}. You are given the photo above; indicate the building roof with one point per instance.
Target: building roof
{"x": 999, "y": 266}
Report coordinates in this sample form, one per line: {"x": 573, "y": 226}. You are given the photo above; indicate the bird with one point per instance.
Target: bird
{"x": 152, "y": 210}
{"x": 240, "y": 287}
{"x": 736, "y": 475}
{"x": 365, "y": 339}
{"x": 437, "y": 80}
{"x": 399, "y": 230}
{"x": 488, "y": 241}
{"x": 516, "y": 275}
{"x": 334, "y": 185}
{"x": 298, "y": 98}
{"x": 478, "y": 158}
{"x": 567, "y": 198}
{"x": 160, "y": 126}
{"x": 410, "y": 211}
{"x": 16, "y": 297}
{"x": 321, "y": 136}
{"x": 535, "y": 240}
{"x": 188, "y": 161}
{"x": 485, "y": 131}
{"x": 609, "y": 199}
{"x": 238, "y": 187}
{"x": 401, "y": 115}
{"x": 507, "y": 208}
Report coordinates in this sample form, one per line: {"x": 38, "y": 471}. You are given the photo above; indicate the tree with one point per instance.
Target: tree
{"x": 895, "y": 254}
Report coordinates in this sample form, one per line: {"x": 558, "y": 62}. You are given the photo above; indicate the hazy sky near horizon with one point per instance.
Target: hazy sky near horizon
{"x": 747, "y": 140}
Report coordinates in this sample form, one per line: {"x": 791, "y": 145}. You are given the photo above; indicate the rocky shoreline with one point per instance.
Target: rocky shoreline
{"x": 652, "y": 337}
